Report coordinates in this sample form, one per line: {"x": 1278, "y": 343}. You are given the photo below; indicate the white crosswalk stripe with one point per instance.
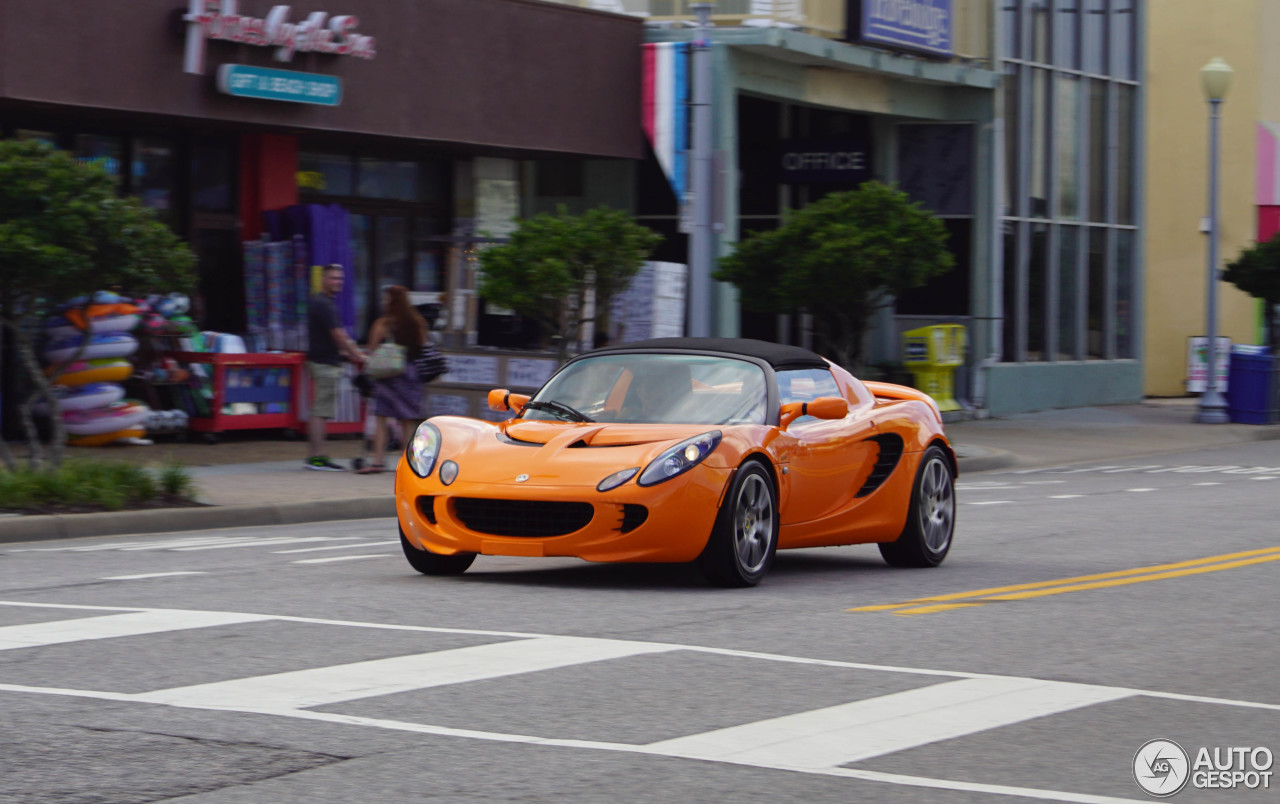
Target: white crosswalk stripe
{"x": 348, "y": 682}
{"x": 116, "y": 625}
{"x": 838, "y": 735}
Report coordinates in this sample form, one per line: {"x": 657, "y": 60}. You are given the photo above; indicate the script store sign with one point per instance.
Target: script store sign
{"x": 220, "y": 20}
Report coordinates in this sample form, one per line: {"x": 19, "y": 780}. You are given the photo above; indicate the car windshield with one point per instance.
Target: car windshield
{"x": 656, "y": 388}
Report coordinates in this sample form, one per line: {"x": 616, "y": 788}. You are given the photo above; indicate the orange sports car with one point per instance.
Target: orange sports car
{"x": 714, "y": 450}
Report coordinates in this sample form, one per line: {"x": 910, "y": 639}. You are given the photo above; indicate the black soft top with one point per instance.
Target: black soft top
{"x": 779, "y": 355}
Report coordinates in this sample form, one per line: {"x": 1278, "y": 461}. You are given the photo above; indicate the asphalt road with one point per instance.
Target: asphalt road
{"x": 1083, "y": 611}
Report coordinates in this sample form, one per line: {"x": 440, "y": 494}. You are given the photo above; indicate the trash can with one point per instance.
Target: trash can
{"x": 1253, "y": 387}
{"x": 932, "y": 354}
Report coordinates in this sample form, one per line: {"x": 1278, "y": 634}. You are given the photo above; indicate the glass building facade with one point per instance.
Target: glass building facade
{"x": 1070, "y": 196}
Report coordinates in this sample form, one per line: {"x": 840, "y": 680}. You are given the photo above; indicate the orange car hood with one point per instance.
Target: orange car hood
{"x": 555, "y": 453}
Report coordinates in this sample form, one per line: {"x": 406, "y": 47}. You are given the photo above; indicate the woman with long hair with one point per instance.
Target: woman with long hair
{"x": 400, "y": 397}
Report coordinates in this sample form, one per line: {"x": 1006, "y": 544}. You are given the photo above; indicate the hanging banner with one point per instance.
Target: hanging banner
{"x": 665, "y": 108}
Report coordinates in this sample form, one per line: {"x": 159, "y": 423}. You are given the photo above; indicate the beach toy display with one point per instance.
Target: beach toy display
{"x": 94, "y": 346}
{"x": 86, "y": 349}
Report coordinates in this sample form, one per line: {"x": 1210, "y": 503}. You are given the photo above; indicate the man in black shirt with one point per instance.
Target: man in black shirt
{"x": 327, "y": 343}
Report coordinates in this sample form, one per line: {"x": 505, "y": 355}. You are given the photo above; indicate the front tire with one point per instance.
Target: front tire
{"x": 745, "y": 536}
{"x": 429, "y": 563}
{"x": 931, "y": 517}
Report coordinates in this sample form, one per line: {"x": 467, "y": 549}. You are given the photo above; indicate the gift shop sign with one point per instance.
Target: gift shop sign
{"x": 219, "y": 20}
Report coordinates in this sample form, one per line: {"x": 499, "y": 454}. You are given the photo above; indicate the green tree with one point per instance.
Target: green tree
{"x": 840, "y": 259}
{"x": 552, "y": 262}
{"x": 64, "y": 232}
{"x": 1257, "y": 272}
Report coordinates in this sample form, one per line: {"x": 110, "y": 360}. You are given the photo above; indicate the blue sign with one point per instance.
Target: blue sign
{"x": 915, "y": 24}
{"x": 244, "y": 81}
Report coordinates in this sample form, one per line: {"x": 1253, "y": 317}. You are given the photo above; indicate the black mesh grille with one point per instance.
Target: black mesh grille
{"x": 427, "y": 505}
{"x": 522, "y": 517}
{"x": 633, "y": 516}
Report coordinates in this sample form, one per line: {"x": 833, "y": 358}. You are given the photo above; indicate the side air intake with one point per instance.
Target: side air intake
{"x": 890, "y": 454}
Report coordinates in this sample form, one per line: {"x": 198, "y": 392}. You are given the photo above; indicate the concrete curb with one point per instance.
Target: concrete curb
{"x": 164, "y": 520}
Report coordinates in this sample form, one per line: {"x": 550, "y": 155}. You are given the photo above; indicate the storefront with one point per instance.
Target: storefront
{"x": 417, "y": 118}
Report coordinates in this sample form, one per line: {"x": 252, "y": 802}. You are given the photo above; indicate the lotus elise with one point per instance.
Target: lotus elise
{"x": 715, "y": 450}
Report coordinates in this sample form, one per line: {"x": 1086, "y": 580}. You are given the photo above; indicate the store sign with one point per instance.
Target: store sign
{"x": 318, "y": 33}
{"x": 843, "y": 161}
{"x": 244, "y": 81}
{"x": 915, "y": 24}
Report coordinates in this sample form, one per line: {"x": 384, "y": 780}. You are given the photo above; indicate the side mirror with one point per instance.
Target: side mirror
{"x": 502, "y": 399}
{"x": 824, "y": 407}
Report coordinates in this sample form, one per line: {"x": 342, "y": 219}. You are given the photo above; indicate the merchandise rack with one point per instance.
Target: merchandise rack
{"x": 244, "y": 378}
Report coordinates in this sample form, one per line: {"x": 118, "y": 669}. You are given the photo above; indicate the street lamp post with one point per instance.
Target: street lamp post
{"x": 1216, "y": 78}
{"x": 701, "y": 236}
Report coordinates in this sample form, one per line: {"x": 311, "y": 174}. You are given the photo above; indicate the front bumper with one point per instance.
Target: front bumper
{"x": 680, "y": 515}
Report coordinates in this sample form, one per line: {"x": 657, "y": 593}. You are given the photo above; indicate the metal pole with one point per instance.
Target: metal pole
{"x": 701, "y": 238}
{"x": 1213, "y": 407}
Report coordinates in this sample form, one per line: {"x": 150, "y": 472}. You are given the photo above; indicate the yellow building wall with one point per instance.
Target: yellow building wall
{"x": 1182, "y": 35}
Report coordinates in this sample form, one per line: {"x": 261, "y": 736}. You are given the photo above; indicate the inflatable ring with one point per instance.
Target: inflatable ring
{"x": 61, "y": 327}
{"x": 86, "y": 397}
{"x": 107, "y": 344}
{"x": 96, "y": 311}
{"x": 117, "y": 416}
{"x": 84, "y": 372}
{"x": 106, "y": 438}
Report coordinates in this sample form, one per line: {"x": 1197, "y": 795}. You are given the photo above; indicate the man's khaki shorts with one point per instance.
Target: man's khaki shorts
{"x": 324, "y": 379}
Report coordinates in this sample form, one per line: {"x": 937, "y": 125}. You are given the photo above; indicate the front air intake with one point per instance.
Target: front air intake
{"x": 530, "y": 518}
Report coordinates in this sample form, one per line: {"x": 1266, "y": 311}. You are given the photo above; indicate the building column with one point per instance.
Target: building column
{"x": 268, "y": 179}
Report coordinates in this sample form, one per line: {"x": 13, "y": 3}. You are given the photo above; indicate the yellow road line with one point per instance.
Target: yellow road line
{"x": 1080, "y": 583}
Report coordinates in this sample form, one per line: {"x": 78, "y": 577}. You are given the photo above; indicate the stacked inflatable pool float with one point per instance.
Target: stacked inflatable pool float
{"x": 96, "y": 339}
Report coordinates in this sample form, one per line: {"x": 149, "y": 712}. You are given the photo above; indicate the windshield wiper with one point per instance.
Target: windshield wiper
{"x": 558, "y": 408}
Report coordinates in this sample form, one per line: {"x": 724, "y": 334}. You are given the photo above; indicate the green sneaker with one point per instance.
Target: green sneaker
{"x": 321, "y": 463}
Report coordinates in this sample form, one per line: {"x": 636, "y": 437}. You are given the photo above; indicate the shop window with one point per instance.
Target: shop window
{"x": 213, "y": 177}
{"x": 1093, "y": 42}
{"x": 1124, "y": 294}
{"x": 560, "y": 178}
{"x": 384, "y": 178}
{"x": 1066, "y": 30}
{"x": 1040, "y": 166}
{"x": 1096, "y": 347}
{"x": 1126, "y": 98}
{"x": 436, "y": 180}
{"x": 1097, "y": 150}
{"x": 151, "y": 173}
{"x": 1038, "y": 291}
{"x": 1012, "y": 315}
{"x": 1039, "y": 13}
{"x": 1010, "y": 34}
{"x": 1067, "y": 124}
{"x": 1068, "y": 296}
{"x": 392, "y": 253}
{"x": 325, "y": 174}
{"x": 1012, "y": 141}
{"x": 104, "y": 151}
{"x": 30, "y": 134}
{"x": 1122, "y": 45}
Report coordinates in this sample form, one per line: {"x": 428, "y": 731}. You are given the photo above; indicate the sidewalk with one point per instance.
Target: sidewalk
{"x": 251, "y": 481}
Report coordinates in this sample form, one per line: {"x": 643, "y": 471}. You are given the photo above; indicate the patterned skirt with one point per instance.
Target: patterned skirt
{"x": 401, "y": 396}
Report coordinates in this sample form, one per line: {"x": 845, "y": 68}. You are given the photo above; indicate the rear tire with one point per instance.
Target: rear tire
{"x": 429, "y": 563}
{"x": 745, "y": 536}
{"x": 931, "y": 517}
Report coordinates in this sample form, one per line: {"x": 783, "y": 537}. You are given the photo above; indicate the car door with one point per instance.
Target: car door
{"x": 830, "y": 458}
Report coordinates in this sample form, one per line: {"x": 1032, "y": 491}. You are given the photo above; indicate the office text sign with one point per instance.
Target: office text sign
{"x": 829, "y": 161}
{"x": 916, "y": 24}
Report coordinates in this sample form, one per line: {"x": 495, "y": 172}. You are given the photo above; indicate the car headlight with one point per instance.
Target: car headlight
{"x": 424, "y": 448}
{"x": 680, "y": 458}
{"x": 617, "y": 479}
